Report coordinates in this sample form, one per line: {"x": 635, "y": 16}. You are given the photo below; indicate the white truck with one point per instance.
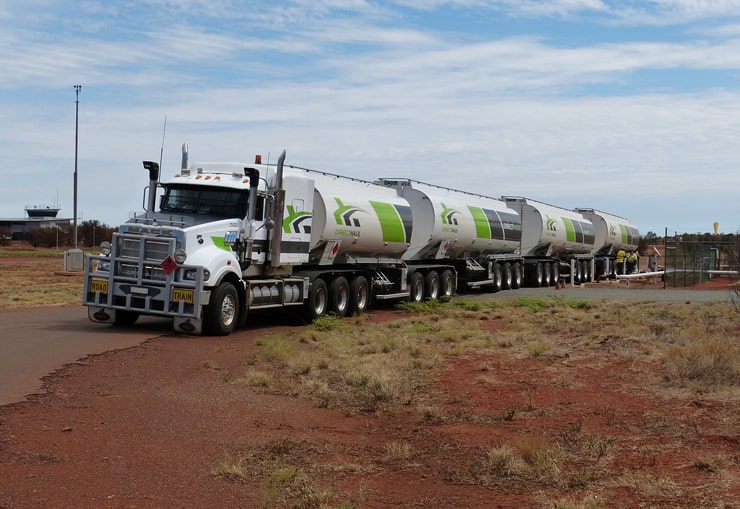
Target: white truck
{"x": 229, "y": 238}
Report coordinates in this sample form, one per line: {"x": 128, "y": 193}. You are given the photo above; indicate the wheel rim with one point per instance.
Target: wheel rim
{"x": 418, "y": 290}
{"x": 361, "y": 298}
{"x": 228, "y": 310}
{"x": 343, "y": 299}
{"x": 319, "y": 302}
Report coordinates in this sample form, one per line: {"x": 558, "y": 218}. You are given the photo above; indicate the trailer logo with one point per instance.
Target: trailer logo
{"x": 297, "y": 221}
{"x": 343, "y": 215}
{"x": 612, "y": 231}
{"x": 448, "y": 215}
{"x": 551, "y": 224}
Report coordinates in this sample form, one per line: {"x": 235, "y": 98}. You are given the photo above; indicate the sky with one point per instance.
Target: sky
{"x": 629, "y": 107}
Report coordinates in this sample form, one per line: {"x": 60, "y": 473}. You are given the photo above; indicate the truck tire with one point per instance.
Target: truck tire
{"x": 431, "y": 285}
{"x": 536, "y": 277}
{"x": 339, "y": 296}
{"x": 359, "y": 295}
{"x": 555, "y": 271}
{"x": 318, "y": 300}
{"x": 417, "y": 287}
{"x": 447, "y": 284}
{"x": 508, "y": 276}
{"x": 546, "y": 274}
{"x": 516, "y": 281}
{"x": 222, "y": 312}
{"x": 586, "y": 268}
{"x": 498, "y": 278}
{"x": 125, "y": 318}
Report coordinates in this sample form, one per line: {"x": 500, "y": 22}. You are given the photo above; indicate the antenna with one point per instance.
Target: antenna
{"x": 161, "y": 150}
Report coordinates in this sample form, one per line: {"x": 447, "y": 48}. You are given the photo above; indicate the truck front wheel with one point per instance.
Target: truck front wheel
{"x": 223, "y": 310}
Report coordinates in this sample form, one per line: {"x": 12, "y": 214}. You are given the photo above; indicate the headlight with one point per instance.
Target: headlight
{"x": 190, "y": 275}
{"x": 105, "y": 248}
{"x": 180, "y": 255}
{"x": 102, "y": 266}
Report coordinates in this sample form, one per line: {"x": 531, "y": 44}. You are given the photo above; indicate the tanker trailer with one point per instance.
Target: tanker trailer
{"x": 612, "y": 233}
{"x": 554, "y": 241}
{"x": 359, "y": 233}
{"x": 478, "y": 235}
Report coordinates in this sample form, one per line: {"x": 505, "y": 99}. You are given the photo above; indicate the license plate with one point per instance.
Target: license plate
{"x": 182, "y": 295}
{"x": 98, "y": 285}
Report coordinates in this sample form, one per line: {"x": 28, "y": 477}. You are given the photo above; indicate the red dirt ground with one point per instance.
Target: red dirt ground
{"x": 146, "y": 427}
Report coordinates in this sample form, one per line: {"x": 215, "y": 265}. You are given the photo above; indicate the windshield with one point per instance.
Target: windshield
{"x": 220, "y": 202}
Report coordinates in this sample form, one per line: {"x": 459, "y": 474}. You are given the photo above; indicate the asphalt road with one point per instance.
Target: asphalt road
{"x": 617, "y": 292}
{"x": 37, "y": 342}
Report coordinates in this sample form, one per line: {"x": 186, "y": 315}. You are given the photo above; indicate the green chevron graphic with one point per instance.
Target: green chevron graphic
{"x": 290, "y": 223}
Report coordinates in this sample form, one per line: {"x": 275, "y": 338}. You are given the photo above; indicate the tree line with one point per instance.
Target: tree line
{"x": 89, "y": 233}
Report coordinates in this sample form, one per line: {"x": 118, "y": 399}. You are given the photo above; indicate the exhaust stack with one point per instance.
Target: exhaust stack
{"x": 277, "y": 223}
{"x": 153, "y": 169}
{"x": 184, "y": 164}
{"x": 254, "y": 180}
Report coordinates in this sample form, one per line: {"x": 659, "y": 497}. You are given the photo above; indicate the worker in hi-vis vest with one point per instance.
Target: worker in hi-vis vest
{"x": 619, "y": 261}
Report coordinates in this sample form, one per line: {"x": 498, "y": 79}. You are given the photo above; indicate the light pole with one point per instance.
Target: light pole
{"x": 77, "y": 111}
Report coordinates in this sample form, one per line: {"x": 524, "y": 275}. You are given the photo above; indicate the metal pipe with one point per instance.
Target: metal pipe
{"x": 277, "y": 219}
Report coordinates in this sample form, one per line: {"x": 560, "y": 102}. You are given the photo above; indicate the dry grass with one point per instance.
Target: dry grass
{"x": 388, "y": 368}
{"x": 391, "y": 368}
{"x": 36, "y": 278}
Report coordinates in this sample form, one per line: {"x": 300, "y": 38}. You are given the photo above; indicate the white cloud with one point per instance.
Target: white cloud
{"x": 356, "y": 88}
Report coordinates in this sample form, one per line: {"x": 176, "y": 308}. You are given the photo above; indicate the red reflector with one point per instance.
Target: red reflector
{"x": 169, "y": 264}
{"x": 258, "y": 159}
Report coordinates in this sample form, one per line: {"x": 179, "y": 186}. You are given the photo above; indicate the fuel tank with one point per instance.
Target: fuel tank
{"x": 552, "y": 231}
{"x": 455, "y": 224}
{"x": 612, "y": 233}
{"x": 358, "y": 218}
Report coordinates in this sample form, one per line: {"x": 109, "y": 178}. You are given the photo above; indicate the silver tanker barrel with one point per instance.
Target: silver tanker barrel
{"x": 612, "y": 232}
{"x": 355, "y": 220}
{"x": 552, "y": 235}
{"x": 455, "y": 224}
{"x": 550, "y": 230}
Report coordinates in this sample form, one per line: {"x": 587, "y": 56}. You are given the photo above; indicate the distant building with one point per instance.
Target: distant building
{"x": 38, "y": 216}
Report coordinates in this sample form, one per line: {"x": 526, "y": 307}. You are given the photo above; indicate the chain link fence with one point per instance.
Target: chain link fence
{"x": 689, "y": 263}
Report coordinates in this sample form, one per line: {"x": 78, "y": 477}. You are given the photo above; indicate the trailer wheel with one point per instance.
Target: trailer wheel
{"x": 555, "y": 271}
{"x": 508, "y": 276}
{"x": 546, "y": 275}
{"x": 318, "y": 300}
{"x": 516, "y": 281}
{"x": 538, "y": 275}
{"x": 339, "y": 296}
{"x": 585, "y": 271}
{"x": 125, "y": 318}
{"x": 417, "y": 287}
{"x": 431, "y": 285}
{"x": 359, "y": 295}
{"x": 222, "y": 313}
{"x": 498, "y": 278}
{"x": 579, "y": 271}
{"x": 447, "y": 284}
